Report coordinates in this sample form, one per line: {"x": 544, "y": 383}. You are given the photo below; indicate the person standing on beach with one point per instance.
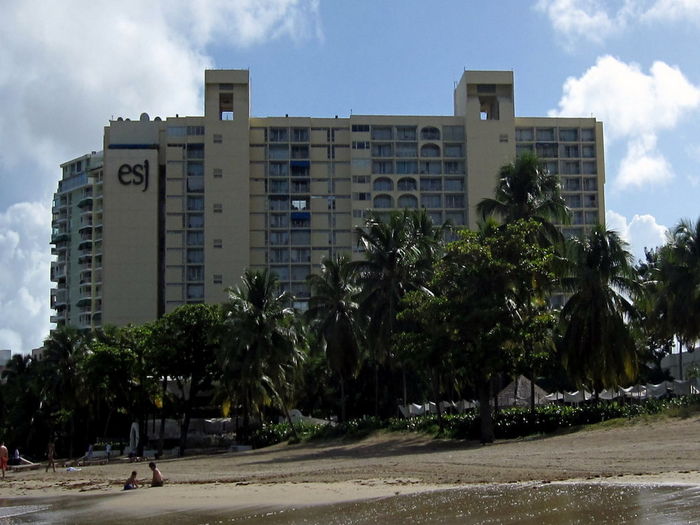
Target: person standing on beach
{"x": 50, "y": 454}
{"x": 4, "y": 456}
{"x": 157, "y": 480}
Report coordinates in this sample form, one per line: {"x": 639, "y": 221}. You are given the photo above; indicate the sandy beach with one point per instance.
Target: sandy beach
{"x": 664, "y": 451}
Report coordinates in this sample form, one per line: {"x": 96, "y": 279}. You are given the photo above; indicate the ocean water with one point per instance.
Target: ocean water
{"x": 536, "y": 504}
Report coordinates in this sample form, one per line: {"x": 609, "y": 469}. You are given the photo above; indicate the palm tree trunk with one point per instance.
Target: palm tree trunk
{"x": 376, "y": 389}
{"x": 161, "y": 433}
{"x": 485, "y": 415}
{"x": 532, "y": 393}
{"x": 436, "y": 393}
{"x": 680, "y": 359}
{"x": 343, "y": 414}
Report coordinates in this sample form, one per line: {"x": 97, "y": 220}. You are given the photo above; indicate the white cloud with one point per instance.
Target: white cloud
{"x": 634, "y": 107}
{"x": 66, "y": 68}
{"x": 24, "y": 280}
{"x": 598, "y": 20}
{"x": 642, "y": 231}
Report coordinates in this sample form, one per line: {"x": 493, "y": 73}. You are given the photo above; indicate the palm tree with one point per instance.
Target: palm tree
{"x": 262, "y": 343}
{"x": 334, "y": 314}
{"x": 677, "y": 285}
{"x": 399, "y": 256}
{"x": 597, "y": 346}
{"x": 526, "y": 190}
{"x": 62, "y": 388}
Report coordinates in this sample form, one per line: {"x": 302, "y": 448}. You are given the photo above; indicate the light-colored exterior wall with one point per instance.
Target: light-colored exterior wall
{"x": 228, "y": 191}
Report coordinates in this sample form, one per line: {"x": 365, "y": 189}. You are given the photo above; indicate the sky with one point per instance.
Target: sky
{"x": 68, "y": 67}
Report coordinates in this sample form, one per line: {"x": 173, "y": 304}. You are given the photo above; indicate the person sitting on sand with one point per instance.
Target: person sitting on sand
{"x": 131, "y": 483}
{"x": 157, "y": 480}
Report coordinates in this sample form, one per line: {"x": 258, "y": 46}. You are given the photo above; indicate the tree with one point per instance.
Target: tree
{"x": 334, "y": 315}
{"x": 61, "y": 378}
{"x": 262, "y": 344}
{"x": 526, "y": 190}
{"x": 473, "y": 302}
{"x": 399, "y": 256}
{"x": 188, "y": 337}
{"x": 597, "y": 346}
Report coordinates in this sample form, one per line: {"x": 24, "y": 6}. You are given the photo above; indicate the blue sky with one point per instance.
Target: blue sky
{"x": 66, "y": 68}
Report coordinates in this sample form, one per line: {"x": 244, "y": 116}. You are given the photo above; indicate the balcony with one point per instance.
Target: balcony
{"x": 60, "y": 237}
{"x": 85, "y": 244}
{"x": 85, "y": 201}
{"x": 58, "y": 271}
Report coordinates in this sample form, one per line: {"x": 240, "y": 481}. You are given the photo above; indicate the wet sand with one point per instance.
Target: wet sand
{"x": 385, "y": 464}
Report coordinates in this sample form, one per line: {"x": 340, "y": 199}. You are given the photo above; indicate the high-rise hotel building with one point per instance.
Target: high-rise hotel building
{"x": 173, "y": 211}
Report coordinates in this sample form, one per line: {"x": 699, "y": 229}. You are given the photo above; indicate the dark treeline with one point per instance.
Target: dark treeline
{"x": 429, "y": 312}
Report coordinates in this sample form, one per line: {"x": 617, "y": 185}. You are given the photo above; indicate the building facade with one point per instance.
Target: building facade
{"x": 173, "y": 211}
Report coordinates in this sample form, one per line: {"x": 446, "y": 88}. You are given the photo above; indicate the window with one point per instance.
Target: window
{"x": 278, "y": 169}
{"x": 570, "y": 168}
{"x": 454, "y": 166}
{"x": 383, "y": 184}
{"x": 590, "y": 200}
{"x": 301, "y": 237}
{"x": 303, "y": 221}
{"x": 456, "y": 218}
{"x": 195, "y": 273}
{"x": 589, "y": 168}
{"x": 382, "y": 133}
{"x": 454, "y": 184}
{"x": 361, "y": 179}
{"x": 195, "y": 220}
{"x": 218, "y": 207}
{"x": 407, "y": 184}
{"x": 406, "y": 166}
{"x": 360, "y": 128}
{"x": 360, "y": 144}
{"x": 545, "y": 134}
{"x": 300, "y": 255}
{"x": 590, "y": 217}
{"x": 522, "y": 148}
{"x": 195, "y": 238}
{"x": 430, "y": 167}
{"x": 454, "y": 200}
{"x": 176, "y": 131}
{"x": 569, "y": 151}
{"x": 568, "y": 134}
{"x": 429, "y": 133}
{"x": 435, "y": 217}
{"x": 278, "y": 186}
{"x": 405, "y": 133}
{"x": 590, "y": 184}
{"x": 279, "y": 255}
{"x": 383, "y": 201}
{"x": 381, "y": 149}
{"x": 524, "y": 135}
{"x": 279, "y": 220}
{"x": 300, "y": 186}
{"x": 195, "y": 184}
{"x": 552, "y": 166}
{"x": 588, "y": 151}
{"x": 382, "y": 166}
{"x": 300, "y": 204}
{"x": 300, "y": 152}
{"x": 300, "y": 134}
{"x": 434, "y": 184}
{"x": 218, "y": 278}
{"x": 195, "y": 203}
{"x": 453, "y": 132}
{"x": 218, "y": 139}
{"x": 279, "y": 238}
{"x": 278, "y": 135}
{"x": 225, "y": 106}
{"x": 278, "y": 151}
{"x": 278, "y": 203}
{"x": 431, "y": 200}
{"x": 572, "y": 183}
{"x": 282, "y": 272}
{"x": 218, "y": 173}
{"x": 547, "y": 150}
{"x": 195, "y": 151}
{"x": 430, "y": 150}
{"x": 218, "y": 243}
{"x": 300, "y": 170}
{"x": 408, "y": 201}
{"x": 195, "y": 255}
{"x": 577, "y": 217}
{"x": 300, "y": 273}
{"x": 406, "y": 149}
{"x": 195, "y": 130}
{"x": 573, "y": 201}
{"x": 587, "y": 134}
{"x": 454, "y": 150}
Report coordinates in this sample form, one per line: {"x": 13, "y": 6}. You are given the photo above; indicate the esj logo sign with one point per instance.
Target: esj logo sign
{"x": 135, "y": 174}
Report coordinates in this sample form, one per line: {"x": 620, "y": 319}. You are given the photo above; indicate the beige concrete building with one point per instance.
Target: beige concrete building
{"x": 173, "y": 211}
